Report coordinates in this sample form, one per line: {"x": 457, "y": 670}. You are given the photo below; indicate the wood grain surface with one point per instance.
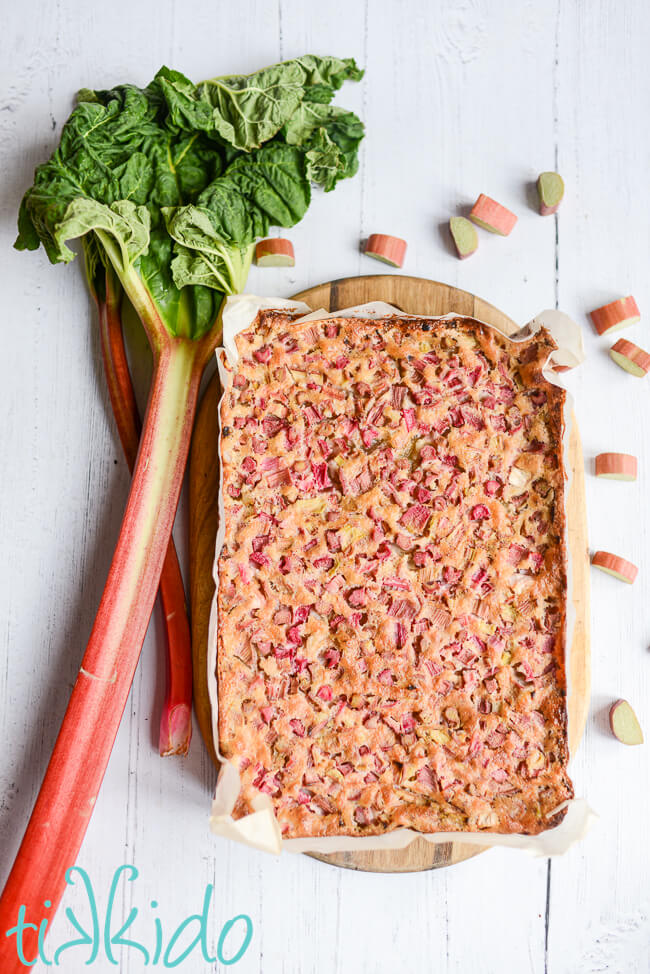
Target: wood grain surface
{"x": 412, "y": 295}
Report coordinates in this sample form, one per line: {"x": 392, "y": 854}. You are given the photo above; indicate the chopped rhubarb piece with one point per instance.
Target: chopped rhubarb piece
{"x": 616, "y": 466}
{"x": 404, "y": 542}
{"x": 321, "y": 476}
{"x": 516, "y": 554}
{"x": 274, "y": 252}
{"x": 550, "y": 187}
{"x": 630, "y": 357}
{"x": 297, "y": 727}
{"x": 624, "y": 570}
{"x": 400, "y": 634}
{"x": 263, "y": 354}
{"x": 403, "y": 609}
{"x": 333, "y": 540}
{"x": 301, "y": 614}
{"x": 427, "y": 778}
{"x": 395, "y": 581}
{"x": 375, "y": 412}
{"x": 361, "y": 816}
{"x": 416, "y": 517}
{"x": 278, "y": 478}
{"x": 409, "y": 723}
{"x": 325, "y": 693}
{"x": 260, "y": 559}
{"x": 479, "y": 512}
{"x": 440, "y": 618}
{"x": 289, "y": 563}
{"x": 492, "y": 216}
{"x": 390, "y": 250}
{"x": 368, "y": 437}
{"x": 464, "y": 236}
{"x": 358, "y": 597}
{"x": 451, "y": 575}
{"x": 491, "y": 487}
{"x": 615, "y": 315}
{"x": 624, "y": 723}
{"x": 272, "y": 425}
{"x": 409, "y": 419}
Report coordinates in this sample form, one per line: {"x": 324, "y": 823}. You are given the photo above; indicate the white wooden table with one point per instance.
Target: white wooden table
{"x": 459, "y": 98}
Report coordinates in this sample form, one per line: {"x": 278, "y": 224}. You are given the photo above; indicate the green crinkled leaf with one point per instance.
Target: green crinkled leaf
{"x": 124, "y": 222}
{"x": 265, "y": 188}
{"x": 325, "y": 162}
{"x": 220, "y": 266}
{"x": 251, "y": 109}
{"x": 331, "y": 138}
{"x": 274, "y": 181}
{"x": 172, "y": 184}
{"x": 188, "y": 108}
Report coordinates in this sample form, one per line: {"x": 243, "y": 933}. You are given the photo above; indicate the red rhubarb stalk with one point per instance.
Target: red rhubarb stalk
{"x": 176, "y": 716}
{"x": 74, "y": 775}
{"x": 171, "y": 184}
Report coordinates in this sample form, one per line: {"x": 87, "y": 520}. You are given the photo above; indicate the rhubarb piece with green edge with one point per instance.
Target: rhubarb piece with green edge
{"x": 550, "y": 187}
{"x": 176, "y": 714}
{"x": 173, "y": 183}
{"x": 614, "y": 565}
{"x": 492, "y": 216}
{"x": 618, "y": 314}
{"x": 464, "y": 236}
{"x": 390, "y": 250}
{"x": 275, "y": 252}
{"x": 630, "y": 358}
{"x": 624, "y": 723}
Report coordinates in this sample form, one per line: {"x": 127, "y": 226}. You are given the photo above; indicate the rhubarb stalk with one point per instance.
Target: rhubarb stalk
{"x": 170, "y": 185}
{"x": 176, "y": 715}
{"x": 69, "y": 791}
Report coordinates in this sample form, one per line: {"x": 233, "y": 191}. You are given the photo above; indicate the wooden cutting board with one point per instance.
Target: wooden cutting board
{"x": 412, "y": 295}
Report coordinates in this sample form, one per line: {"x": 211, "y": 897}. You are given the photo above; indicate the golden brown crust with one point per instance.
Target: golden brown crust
{"x": 392, "y": 585}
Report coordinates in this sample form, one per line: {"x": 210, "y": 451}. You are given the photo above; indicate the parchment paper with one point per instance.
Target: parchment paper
{"x": 260, "y": 828}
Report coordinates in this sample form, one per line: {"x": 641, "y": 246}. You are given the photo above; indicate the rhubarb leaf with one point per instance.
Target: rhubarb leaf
{"x": 331, "y": 136}
{"x": 175, "y": 186}
{"x": 258, "y": 190}
{"x": 251, "y": 109}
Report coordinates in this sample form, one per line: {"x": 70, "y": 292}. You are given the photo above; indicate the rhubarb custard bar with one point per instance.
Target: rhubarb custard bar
{"x": 391, "y": 605}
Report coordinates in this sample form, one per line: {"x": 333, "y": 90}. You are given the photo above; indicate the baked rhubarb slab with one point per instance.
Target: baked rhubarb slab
{"x": 392, "y": 583}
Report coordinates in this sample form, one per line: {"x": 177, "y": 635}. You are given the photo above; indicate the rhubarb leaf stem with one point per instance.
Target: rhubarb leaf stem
{"x": 176, "y": 715}
{"x": 65, "y": 802}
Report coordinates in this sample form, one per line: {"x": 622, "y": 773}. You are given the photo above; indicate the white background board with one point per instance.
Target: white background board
{"x": 459, "y": 98}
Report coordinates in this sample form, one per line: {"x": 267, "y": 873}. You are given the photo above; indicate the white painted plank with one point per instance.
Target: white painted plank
{"x": 600, "y": 897}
